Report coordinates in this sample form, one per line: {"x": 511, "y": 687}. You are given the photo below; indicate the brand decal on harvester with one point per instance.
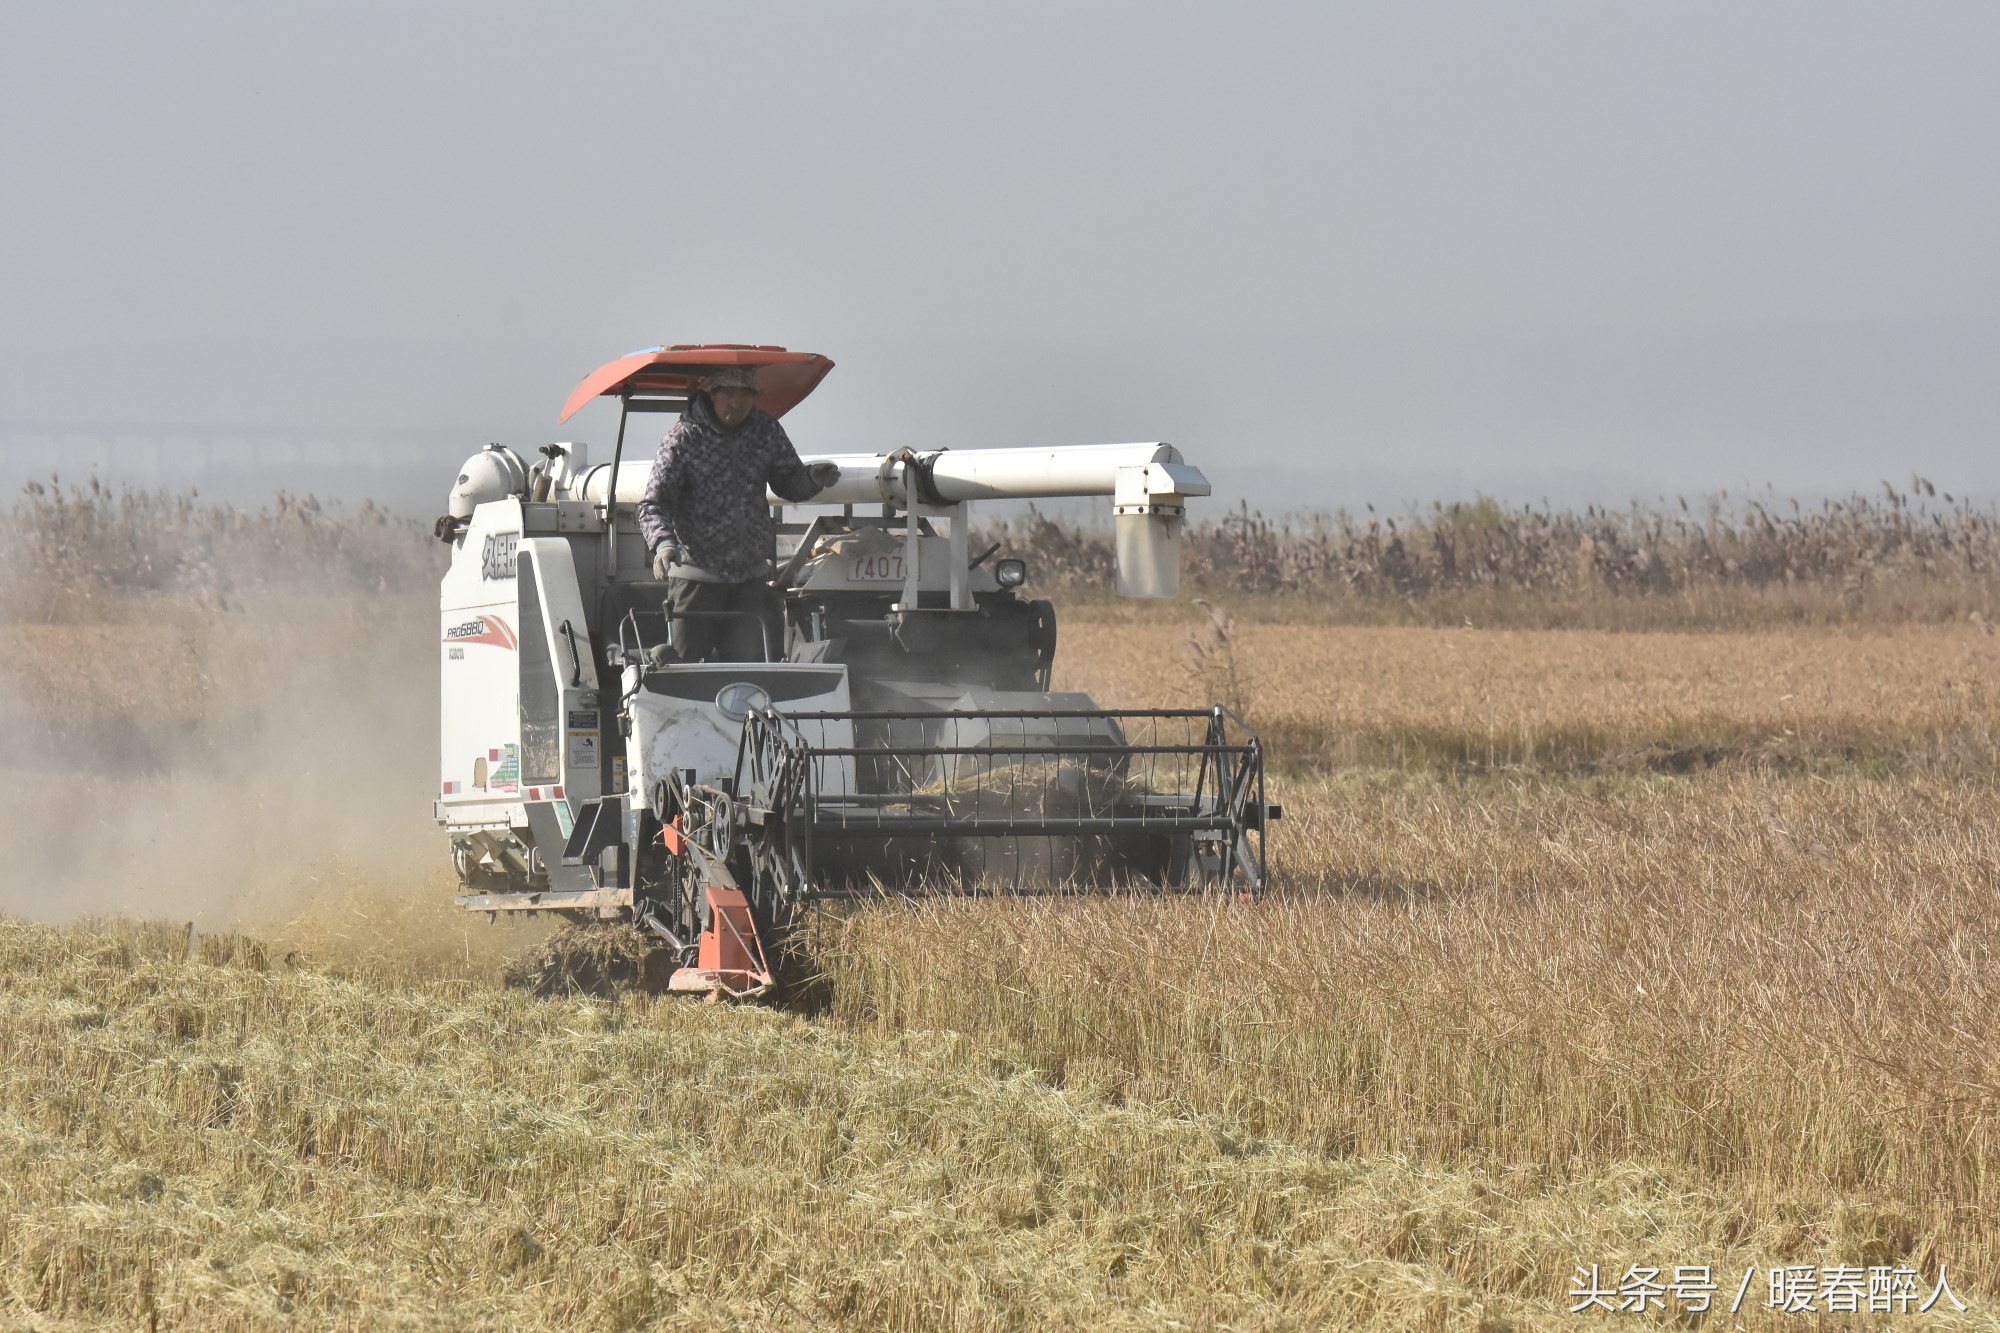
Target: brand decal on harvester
{"x": 497, "y": 559}
{"x": 483, "y": 629}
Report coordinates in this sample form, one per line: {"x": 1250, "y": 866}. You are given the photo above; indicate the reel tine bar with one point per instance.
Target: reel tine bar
{"x": 1169, "y": 799}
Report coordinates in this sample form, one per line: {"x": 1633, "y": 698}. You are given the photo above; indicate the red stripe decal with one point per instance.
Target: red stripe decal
{"x": 482, "y": 629}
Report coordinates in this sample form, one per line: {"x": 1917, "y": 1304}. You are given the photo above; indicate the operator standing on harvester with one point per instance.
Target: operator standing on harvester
{"x": 706, "y": 519}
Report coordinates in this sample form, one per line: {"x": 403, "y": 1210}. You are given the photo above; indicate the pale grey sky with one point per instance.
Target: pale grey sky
{"x": 1337, "y": 252}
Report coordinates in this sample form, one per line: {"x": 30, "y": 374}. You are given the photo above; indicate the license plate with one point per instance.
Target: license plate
{"x": 875, "y": 569}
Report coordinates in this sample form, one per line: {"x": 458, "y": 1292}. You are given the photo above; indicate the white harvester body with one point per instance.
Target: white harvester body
{"x": 575, "y": 745}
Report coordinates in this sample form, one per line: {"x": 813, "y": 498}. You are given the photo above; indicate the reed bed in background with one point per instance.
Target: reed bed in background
{"x": 81, "y": 553}
{"x": 86, "y": 551}
{"x": 1903, "y": 556}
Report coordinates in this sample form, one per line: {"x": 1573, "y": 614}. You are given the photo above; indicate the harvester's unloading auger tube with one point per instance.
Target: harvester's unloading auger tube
{"x": 953, "y": 476}
{"x": 1148, "y": 485}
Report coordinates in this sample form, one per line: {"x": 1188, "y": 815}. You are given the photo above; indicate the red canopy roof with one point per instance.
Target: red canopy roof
{"x": 783, "y": 378}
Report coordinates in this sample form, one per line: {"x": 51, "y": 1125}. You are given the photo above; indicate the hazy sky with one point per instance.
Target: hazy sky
{"x": 1335, "y": 252}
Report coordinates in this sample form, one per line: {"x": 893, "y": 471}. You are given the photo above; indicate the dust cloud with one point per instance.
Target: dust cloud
{"x": 228, "y": 759}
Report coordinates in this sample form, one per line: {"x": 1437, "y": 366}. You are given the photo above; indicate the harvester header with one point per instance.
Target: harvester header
{"x": 896, "y": 734}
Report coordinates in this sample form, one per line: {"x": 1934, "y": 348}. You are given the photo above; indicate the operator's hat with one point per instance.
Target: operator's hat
{"x": 731, "y": 377}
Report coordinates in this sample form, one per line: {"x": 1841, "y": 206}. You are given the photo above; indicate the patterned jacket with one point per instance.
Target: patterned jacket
{"x": 706, "y": 491}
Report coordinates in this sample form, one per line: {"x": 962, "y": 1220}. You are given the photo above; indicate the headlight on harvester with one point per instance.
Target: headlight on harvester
{"x": 1011, "y": 573}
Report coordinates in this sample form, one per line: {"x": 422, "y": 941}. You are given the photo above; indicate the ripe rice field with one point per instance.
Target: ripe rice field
{"x": 1629, "y": 948}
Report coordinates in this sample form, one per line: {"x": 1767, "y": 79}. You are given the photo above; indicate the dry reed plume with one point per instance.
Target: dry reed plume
{"x": 83, "y": 551}
{"x": 95, "y": 554}
{"x": 1904, "y": 556}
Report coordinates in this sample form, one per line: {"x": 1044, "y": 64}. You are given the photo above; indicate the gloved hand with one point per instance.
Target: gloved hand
{"x": 664, "y": 555}
{"x": 823, "y": 474}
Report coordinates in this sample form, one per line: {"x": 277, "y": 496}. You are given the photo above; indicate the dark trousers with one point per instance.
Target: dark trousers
{"x": 715, "y": 638}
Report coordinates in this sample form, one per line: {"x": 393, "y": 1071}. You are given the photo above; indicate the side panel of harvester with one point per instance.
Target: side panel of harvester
{"x": 479, "y": 736}
{"x": 522, "y": 737}
{"x": 562, "y": 726}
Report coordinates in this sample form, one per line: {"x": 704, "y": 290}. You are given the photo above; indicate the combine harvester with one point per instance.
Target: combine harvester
{"x": 898, "y": 735}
